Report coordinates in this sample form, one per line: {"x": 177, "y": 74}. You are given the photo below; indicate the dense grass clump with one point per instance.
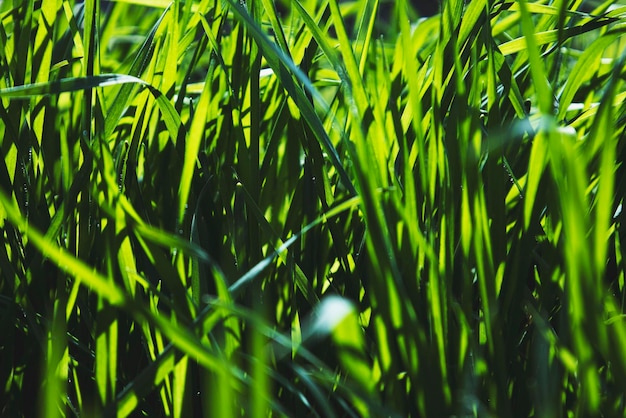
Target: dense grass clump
{"x": 213, "y": 208}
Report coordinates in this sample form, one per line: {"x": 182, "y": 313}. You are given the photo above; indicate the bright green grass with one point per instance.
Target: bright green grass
{"x": 211, "y": 210}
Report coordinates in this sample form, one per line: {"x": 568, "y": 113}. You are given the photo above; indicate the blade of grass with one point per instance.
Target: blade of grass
{"x": 284, "y": 69}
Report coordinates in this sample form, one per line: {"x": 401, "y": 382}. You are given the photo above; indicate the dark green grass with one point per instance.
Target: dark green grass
{"x": 211, "y": 209}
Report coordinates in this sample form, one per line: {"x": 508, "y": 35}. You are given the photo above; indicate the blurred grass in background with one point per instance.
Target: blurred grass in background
{"x": 213, "y": 209}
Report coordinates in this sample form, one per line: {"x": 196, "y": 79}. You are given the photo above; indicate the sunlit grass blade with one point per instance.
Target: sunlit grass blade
{"x": 182, "y": 338}
{"x": 138, "y": 66}
{"x": 283, "y": 247}
{"x": 285, "y": 69}
{"x": 335, "y": 208}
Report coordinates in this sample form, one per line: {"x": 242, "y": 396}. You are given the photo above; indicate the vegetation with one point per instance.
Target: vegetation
{"x": 211, "y": 209}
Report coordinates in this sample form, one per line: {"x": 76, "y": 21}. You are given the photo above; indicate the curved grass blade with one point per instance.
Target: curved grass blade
{"x": 551, "y": 36}
{"x": 63, "y": 258}
{"x": 285, "y": 69}
{"x": 170, "y": 116}
{"x": 586, "y": 66}
{"x": 139, "y": 65}
{"x": 184, "y": 339}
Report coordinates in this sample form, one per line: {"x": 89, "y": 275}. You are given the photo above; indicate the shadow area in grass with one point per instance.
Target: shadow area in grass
{"x": 387, "y": 13}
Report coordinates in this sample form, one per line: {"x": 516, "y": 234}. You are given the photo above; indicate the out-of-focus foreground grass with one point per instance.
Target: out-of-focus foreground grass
{"x": 209, "y": 208}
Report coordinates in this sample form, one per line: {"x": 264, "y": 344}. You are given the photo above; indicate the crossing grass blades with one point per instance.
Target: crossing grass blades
{"x": 211, "y": 209}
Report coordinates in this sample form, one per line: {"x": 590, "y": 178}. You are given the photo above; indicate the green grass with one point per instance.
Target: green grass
{"x": 210, "y": 209}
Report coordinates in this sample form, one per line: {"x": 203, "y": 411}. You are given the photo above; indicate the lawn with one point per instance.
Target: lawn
{"x": 312, "y": 208}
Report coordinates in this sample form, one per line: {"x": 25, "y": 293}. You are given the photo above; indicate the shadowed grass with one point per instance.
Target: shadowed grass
{"x": 218, "y": 208}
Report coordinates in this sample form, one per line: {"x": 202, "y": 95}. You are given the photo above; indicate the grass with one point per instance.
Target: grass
{"x": 212, "y": 209}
